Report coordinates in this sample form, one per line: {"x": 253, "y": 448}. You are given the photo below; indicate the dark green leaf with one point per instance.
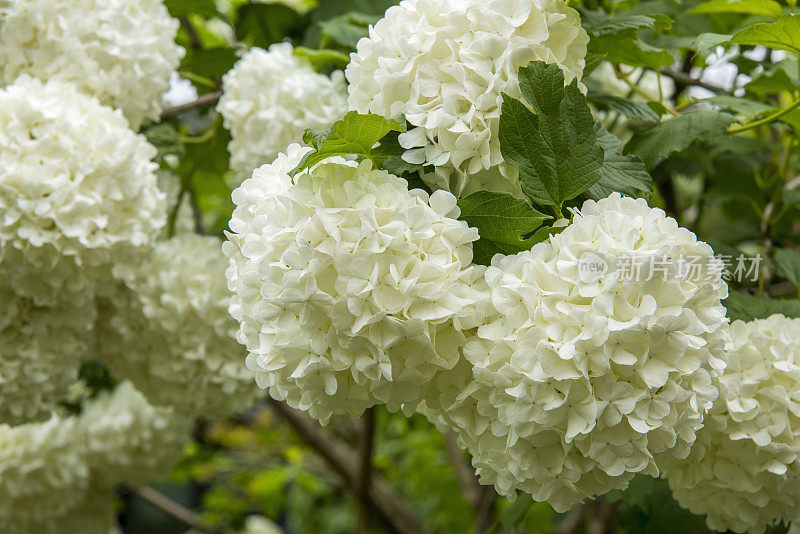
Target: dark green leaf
{"x": 740, "y": 105}
{"x": 677, "y": 134}
{"x": 513, "y": 513}
{"x": 209, "y": 62}
{"x": 626, "y": 48}
{"x": 592, "y": 62}
{"x": 181, "y": 8}
{"x": 784, "y": 34}
{"x": 555, "y": 148}
{"x": 346, "y": 30}
{"x": 748, "y": 307}
{"x": 787, "y": 262}
{"x": 355, "y": 134}
{"x": 625, "y": 174}
{"x": 626, "y": 107}
{"x": 503, "y": 223}
{"x": 321, "y": 59}
{"x": 617, "y": 23}
{"x": 265, "y": 24}
{"x": 166, "y": 139}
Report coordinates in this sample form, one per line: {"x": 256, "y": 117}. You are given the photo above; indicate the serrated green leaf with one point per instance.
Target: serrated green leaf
{"x": 320, "y": 59}
{"x": 555, "y": 147}
{"x": 787, "y": 262}
{"x": 626, "y": 48}
{"x": 346, "y": 30}
{"x": 749, "y": 307}
{"x": 768, "y": 8}
{"x": 783, "y": 34}
{"x": 606, "y": 24}
{"x": 708, "y": 40}
{"x": 625, "y": 174}
{"x": 355, "y": 134}
{"x": 677, "y": 134}
{"x": 182, "y": 8}
{"x": 503, "y": 223}
{"x": 626, "y": 107}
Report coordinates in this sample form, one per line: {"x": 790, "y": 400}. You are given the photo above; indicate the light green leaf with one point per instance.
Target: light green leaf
{"x": 346, "y": 30}
{"x": 740, "y": 105}
{"x": 502, "y": 221}
{"x": 783, "y": 34}
{"x": 355, "y": 134}
{"x": 592, "y": 62}
{"x": 555, "y": 146}
{"x": 625, "y": 174}
{"x": 626, "y": 48}
{"x": 748, "y": 307}
{"x": 768, "y": 8}
{"x": 707, "y": 41}
{"x": 614, "y": 24}
{"x": 787, "y": 262}
{"x": 320, "y": 59}
{"x": 677, "y": 134}
{"x": 632, "y": 109}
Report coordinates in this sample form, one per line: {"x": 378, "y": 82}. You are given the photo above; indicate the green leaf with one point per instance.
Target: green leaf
{"x": 266, "y": 24}
{"x": 503, "y": 223}
{"x": 346, "y": 30}
{"x": 625, "y": 174}
{"x": 555, "y": 147}
{"x": 768, "y": 8}
{"x": 740, "y": 105}
{"x": 787, "y": 262}
{"x": 749, "y": 307}
{"x": 355, "y": 134}
{"x": 166, "y": 139}
{"x": 592, "y": 62}
{"x": 626, "y": 48}
{"x": 708, "y": 40}
{"x": 614, "y": 24}
{"x": 784, "y": 34}
{"x": 321, "y": 59}
{"x": 209, "y": 62}
{"x": 677, "y": 134}
{"x": 513, "y": 513}
{"x": 182, "y": 8}
{"x": 632, "y": 109}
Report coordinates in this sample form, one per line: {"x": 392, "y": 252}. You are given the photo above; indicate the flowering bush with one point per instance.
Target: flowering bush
{"x": 492, "y": 266}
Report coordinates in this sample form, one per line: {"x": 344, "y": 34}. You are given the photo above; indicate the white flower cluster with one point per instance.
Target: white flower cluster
{"x": 40, "y": 352}
{"x": 62, "y": 471}
{"x": 349, "y": 288}
{"x": 743, "y": 472}
{"x": 579, "y": 383}
{"x": 270, "y": 99}
{"x": 119, "y": 51}
{"x": 444, "y": 65}
{"x": 78, "y": 191}
{"x": 170, "y": 333}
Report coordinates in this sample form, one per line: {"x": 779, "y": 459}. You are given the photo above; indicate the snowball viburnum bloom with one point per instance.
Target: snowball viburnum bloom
{"x": 119, "y": 51}
{"x": 743, "y": 472}
{"x": 349, "y": 288}
{"x": 270, "y": 99}
{"x": 78, "y": 191}
{"x": 444, "y": 65}
{"x": 169, "y": 332}
{"x": 579, "y": 382}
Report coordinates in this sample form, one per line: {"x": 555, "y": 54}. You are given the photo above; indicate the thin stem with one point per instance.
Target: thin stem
{"x": 175, "y": 510}
{"x": 766, "y": 120}
{"x": 624, "y": 77}
{"x": 209, "y": 99}
{"x": 194, "y": 39}
{"x": 365, "y": 468}
{"x": 687, "y": 80}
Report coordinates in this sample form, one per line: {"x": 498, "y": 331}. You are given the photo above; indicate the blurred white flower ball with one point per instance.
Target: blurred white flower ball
{"x": 743, "y": 471}
{"x": 119, "y": 51}
{"x": 350, "y": 289}
{"x": 271, "y": 97}
{"x": 169, "y": 331}
{"x": 78, "y": 191}
{"x": 444, "y": 65}
{"x": 578, "y": 382}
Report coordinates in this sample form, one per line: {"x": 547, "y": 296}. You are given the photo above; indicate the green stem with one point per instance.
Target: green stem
{"x": 766, "y": 120}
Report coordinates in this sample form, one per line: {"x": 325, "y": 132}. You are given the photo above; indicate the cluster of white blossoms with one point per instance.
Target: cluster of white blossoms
{"x": 119, "y": 51}
{"x": 743, "y": 472}
{"x": 349, "y": 288}
{"x": 444, "y": 65}
{"x": 578, "y": 382}
{"x": 270, "y": 99}
{"x": 169, "y": 331}
{"x": 62, "y": 471}
{"x": 78, "y": 191}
